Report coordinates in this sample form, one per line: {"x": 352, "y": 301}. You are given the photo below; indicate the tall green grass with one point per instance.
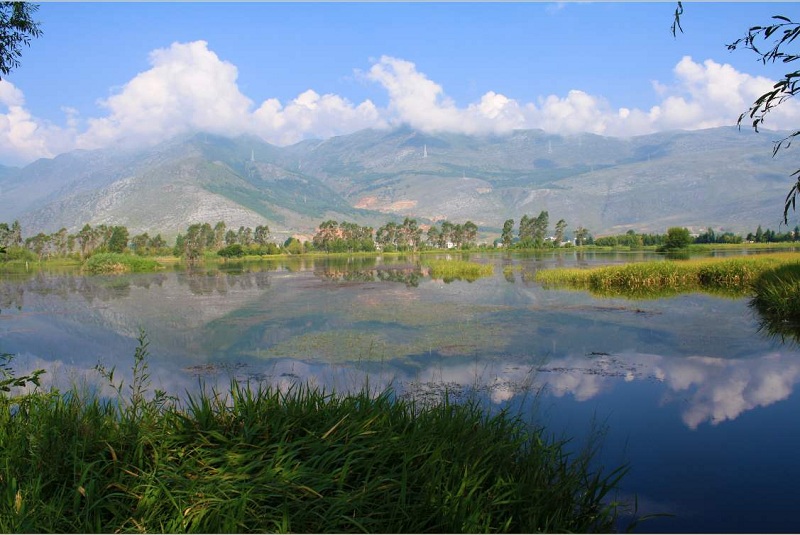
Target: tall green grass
{"x": 261, "y": 460}
{"x": 777, "y": 300}
{"x": 106, "y": 263}
{"x": 731, "y": 276}
{"x": 450, "y": 270}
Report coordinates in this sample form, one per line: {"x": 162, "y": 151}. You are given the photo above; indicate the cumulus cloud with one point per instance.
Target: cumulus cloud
{"x": 188, "y": 87}
{"x": 416, "y": 100}
{"x": 23, "y": 138}
{"x": 312, "y": 115}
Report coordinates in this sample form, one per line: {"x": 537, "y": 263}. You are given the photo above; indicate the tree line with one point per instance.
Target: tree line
{"x": 337, "y": 237}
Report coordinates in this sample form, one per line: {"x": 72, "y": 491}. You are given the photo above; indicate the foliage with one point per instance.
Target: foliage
{"x": 118, "y": 263}
{"x": 777, "y": 300}
{"x": 11, "y": 254}
{"x": 507, "y": 235}
{"x": 450, "y": 270}
{"x": 118, "y": 241}
{"x": 231, "y": 251}
{"x": 9, "y": 380}
{"x": 677, "y": 238}
{"x": 734, "y": 276}
{"x": 255, "y": 459}
{"x": 17, "y": 27}
{"x": 333, "y": 237}
{"x": 784, "y": 32}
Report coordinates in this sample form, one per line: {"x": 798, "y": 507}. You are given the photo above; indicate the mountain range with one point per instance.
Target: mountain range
{"x": 722, "y": 178}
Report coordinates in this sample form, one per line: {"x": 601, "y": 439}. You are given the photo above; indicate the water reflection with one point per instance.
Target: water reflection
{"x": 504, "y": 334}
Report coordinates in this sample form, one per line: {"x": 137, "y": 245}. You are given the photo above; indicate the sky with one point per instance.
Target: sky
{"x": 115, "y": 74}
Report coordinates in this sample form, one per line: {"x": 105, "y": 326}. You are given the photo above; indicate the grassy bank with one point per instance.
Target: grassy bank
{"x": 259, "y": 460}
{"x": 733, "y": 276}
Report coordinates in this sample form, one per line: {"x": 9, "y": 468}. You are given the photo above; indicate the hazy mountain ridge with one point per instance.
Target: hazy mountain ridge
{"x": 723, "y": 178}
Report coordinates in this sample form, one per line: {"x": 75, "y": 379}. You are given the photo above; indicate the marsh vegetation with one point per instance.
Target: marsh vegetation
{"x": 258, "y": 459}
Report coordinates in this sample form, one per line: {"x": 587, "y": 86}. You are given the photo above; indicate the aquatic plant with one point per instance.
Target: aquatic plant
{"x": 777, "y": 300}
{"x": 256, "y": 459}
{"x": 450, "y": 270}
{"x": 730, "y": 276}
{"x": 105, "y": 263}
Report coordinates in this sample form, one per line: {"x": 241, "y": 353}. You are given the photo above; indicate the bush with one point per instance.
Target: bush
{"x": 231, "y": 251}
{"x": 677, "y": 238}
{"x": 18, "y": 254}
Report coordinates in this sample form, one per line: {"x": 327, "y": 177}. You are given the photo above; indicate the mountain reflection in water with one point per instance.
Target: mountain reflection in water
{"x": 673, "y": 377}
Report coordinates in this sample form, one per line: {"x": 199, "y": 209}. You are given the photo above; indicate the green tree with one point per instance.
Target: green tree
{"x": 525, "y": 232}
{"x": 561, "y": 226}
{"x": 231, "y": 237}
{"x": 157, "y": 244}
{"x": 410, "y": 235}
{"x": 470, "y": 234}
{"x": 540, "y": 226}
{"x": 580, "y": 235}
{"x": 261, "y": 235}
{"x": 293, "y": 245}
{"x": 17, "y": 28}
{"x": 139, "y": 243}
{"x": 193, "y": 243}
{"x": 16, "y": 234}
{"x": 118, "y": 240}
{"x": 677, "y": 238}
{"x": 60, "y": 241}
{"x": 386, "y": 236}
{"x": 219, "y": 234}
{"x": 326, "y": 234}
{"x": 39, "y": 244}
{"x": 507, "y": 234}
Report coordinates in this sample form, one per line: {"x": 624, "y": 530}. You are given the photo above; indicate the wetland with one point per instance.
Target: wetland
{"x": 689, "y": 390}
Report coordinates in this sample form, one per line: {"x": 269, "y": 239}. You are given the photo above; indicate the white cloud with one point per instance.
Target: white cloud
{"x": 312, "y": 115}
{"x": 188, "y": 87}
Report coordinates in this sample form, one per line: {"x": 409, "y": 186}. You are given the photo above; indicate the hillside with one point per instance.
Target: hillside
{"x": 723, "y": 178}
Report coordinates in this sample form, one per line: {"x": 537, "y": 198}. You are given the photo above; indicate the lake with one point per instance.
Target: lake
{"x": 686, "y": 389}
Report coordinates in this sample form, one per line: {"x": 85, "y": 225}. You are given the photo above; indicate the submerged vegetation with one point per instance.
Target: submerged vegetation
{"x": 733, "y": 276}
{"x": 255, "y": 459}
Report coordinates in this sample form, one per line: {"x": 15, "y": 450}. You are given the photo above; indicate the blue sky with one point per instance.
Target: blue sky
{"x": 106, "y": 74}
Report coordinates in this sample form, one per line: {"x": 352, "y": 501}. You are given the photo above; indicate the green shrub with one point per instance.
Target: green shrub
{"x": 231, "y": 251}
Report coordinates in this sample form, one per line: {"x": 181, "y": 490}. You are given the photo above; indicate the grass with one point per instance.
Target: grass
{"x": 731, "y": 276}
{"x": 777, "y": 301}
{"x": 450, "y": 270}
{"x": 105, "y": 263}
{"x": 262, "y": 460}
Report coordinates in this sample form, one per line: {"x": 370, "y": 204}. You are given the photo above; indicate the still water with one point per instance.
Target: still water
{"x": 686, "y": 390}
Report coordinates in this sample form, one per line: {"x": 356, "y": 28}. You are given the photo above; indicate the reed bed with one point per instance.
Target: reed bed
{"x": 261, "y": 460}
{"x": 777, "y": 300}
{"x": 450, "y": 270}
{"x": 110, "y": 263}
{"x": 732, "y": 276}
